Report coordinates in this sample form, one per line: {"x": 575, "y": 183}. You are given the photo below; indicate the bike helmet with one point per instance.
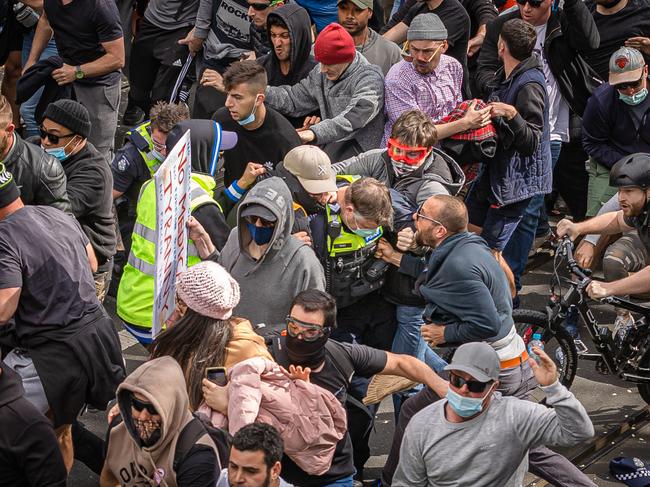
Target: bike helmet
{"x": 632, "y": 170}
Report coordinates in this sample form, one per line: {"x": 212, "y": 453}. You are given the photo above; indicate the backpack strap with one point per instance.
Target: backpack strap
{"x": 187, "y": 439}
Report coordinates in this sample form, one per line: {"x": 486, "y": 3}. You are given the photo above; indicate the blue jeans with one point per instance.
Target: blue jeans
{"x": 28, "y": 108}
{"x": 521, "y": 241}
{"x": 408, "y": 339}
{"x": 344, "y": 482}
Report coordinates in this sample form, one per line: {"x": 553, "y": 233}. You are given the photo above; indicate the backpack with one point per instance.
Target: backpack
{"x": 193, "y": 431}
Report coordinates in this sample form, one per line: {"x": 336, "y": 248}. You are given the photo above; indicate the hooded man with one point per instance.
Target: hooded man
{"x": 155, "y": 411}
{"x": 268, "y": 263}
{"x": 348, "y": 91}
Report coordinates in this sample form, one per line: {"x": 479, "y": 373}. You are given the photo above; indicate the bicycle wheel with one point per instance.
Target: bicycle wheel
{"x": 644, "y": 389}
{"x": 558, "y": 343}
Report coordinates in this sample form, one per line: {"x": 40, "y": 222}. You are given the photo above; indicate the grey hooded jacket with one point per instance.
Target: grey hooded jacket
{"x": 288, "y": 266}
{"x": 351, "y": 108}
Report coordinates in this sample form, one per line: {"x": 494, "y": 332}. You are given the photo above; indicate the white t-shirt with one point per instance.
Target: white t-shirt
{"x": 558, "y": 110}
{"x": 223, "y": 480}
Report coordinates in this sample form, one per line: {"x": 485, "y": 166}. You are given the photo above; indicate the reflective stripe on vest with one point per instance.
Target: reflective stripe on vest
{"x": 142, "y": 131}
{"x": 346, "y": 242}
{"x": 136, "y": 290}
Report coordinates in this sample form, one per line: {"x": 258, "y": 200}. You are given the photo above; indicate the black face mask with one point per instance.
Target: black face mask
{"x": 306, "y": 354}
{"x": 611, "y": 4}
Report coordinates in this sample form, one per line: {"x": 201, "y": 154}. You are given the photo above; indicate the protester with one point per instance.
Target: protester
{"x": 264, "y": 136}
{"x": 89, "y": 39}
{"x": 330, "y": 364}
{"x": 442, "y": 438}
{"x": 255, "y": 457}
{"x": 614, "y": 124}
{"x": 64, "y": 134}
{"x": 346, "y": 89}
{"x": 259, "y": 11}
{"x": 204, "y": 333}
{"x": 29, "y": 452}
{"x": 155, "y": 415}
{"x": 64, "y": 343}
{"x": 354, "y": 16}
{"x": 40, "y": 177}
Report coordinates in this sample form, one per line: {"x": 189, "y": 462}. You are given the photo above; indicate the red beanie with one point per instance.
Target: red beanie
{"x": 334, "y": 45}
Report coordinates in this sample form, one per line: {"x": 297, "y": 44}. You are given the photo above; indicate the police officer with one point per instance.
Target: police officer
{"x": 135, "y": 294}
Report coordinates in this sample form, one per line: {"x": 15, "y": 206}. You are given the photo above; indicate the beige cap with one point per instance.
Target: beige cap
{"x": 312, "y": 167}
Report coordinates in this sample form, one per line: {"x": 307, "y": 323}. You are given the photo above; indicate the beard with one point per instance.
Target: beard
{"x": 4, "y": 145}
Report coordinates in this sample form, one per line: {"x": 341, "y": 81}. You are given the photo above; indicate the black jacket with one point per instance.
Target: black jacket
{"x": 90, "y": 185}
{"x": 568, "y": 33}
{"x": 29, "y": 452}
{"x": 39, "y": 176}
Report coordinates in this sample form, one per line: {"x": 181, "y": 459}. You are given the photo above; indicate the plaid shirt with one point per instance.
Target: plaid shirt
{"x": 473, "y": 134}
{"x": 436, "y": 93}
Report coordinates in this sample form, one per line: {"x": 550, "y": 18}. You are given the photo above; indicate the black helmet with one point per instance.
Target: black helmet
{"x": 632, "y": 170}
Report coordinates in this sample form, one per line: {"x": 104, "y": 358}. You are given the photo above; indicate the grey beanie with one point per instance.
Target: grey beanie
{"x": 71, "y": 114}
{"x": 427, "y": 27}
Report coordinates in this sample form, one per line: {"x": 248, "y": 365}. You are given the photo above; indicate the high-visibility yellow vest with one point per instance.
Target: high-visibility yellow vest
{"x": 141, "y": 139}
{"x": 136, "y": 290}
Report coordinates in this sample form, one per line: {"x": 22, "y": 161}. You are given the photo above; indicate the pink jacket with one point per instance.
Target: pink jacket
{"x": 310, "y": 419}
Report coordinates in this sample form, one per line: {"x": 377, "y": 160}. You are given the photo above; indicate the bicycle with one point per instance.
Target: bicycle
{"x": 625, "y": 355}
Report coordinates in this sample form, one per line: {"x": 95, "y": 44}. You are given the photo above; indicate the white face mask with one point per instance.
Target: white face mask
{"x": 401, "y": 169}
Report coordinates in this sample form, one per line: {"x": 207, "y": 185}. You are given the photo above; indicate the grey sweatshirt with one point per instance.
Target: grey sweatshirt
{"x": 352, "y": 107}
{"x": 288, "y": 266}
{"x": 380, "y": 51}
{"x": 492, "y": 448}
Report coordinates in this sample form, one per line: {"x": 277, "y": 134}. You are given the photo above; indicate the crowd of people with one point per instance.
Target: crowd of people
{"x": 368, "y": 181}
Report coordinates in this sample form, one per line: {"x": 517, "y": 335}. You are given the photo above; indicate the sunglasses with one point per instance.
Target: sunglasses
{"x": 407, "y": 154}
{"x": 253, "y": 219}
{"x": 472, "y": 385}
{"x": 263, "y": 6}
{"x": 139, "y": 406}
{"x": 418, "y": 214}
{"x": 52, "y": 137}
{"x": 308, "y": 331}
{"x": 532, "y": 3}
{"x": 629, "y": 84}
{"x": 408, "y": 57}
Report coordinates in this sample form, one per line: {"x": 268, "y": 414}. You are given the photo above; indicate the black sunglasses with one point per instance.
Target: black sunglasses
{"x": 139, "y": 405}
{"x": 472, "y": 385}
{"x": 253, "y": 219}
{"x": 629, "y": 84}
{"x": 52, "y": 137}
{"x": 533, "y": 3}
{"x": 259, "y": 6}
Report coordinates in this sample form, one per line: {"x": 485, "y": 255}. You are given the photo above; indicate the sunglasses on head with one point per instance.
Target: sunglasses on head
{"x": 139, "y": 406}
{"x": 411, "y": 155}
{"x": 309, "y": 331}
{"x": 533, "y": 3}
{"x": 52, "y": 137}
{"x": 472, "y": 385}
{"x": 629, "y": 84}
{"x": 253, "y": 219}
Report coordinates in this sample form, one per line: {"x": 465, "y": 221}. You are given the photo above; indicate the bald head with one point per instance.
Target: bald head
{"x": 450, "y": 211}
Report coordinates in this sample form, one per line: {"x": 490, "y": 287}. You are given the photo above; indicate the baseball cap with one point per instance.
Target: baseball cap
{"x": 632, "y": 471}
{"x": 477, "y": 359}
{"x": 359, "y": 3}
{"x": 312, "y": 167}
{"x": 625, "y": 66}
{"x": 260, "y": 211}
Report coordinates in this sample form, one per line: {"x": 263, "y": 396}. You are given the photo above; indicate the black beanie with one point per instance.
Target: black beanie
{"x": 71, "y": 114}
{"x": 9, "y": 191}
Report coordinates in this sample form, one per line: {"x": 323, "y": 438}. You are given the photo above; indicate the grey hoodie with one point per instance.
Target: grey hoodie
{"x": 288, "y": 266}
{"x": 352, "y": 107}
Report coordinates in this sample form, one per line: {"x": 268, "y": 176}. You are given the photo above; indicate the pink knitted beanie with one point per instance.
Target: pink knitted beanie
{"x": 208, "y": 289}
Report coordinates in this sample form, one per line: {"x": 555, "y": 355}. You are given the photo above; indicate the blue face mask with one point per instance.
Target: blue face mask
{"x": 260, "y": 235}
{"x": 251, "y": 117}
{"x": 157, "y": 155}
{"x": 363, "y": 232}
{"x": 59, "y": 153}
{"x": 634, "y": 99}
{"x": 465, "y": 407}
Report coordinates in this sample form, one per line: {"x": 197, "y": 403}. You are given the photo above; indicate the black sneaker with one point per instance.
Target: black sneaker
{"x": 133, "y": 115}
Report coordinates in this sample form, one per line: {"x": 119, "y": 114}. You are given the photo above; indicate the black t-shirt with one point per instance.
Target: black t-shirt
{"x": 79, "y": 29}
{"x": 457, "y": 22}
{"x": 615, "y": 29}
{"x": 366, "y": 362}
{"x": 43, "y": 251}
{"x": 266, "y": 145}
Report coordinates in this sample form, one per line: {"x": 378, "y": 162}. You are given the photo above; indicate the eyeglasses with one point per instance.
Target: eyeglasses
{"x": 629, "y": 84}
{"x": 533, "y": 3}
{"x": 55, "y": 139}
{"x": 472, "y": 385}
{"x": 253, "y": 220}
{"x": 308, "y": 331}
{"x": 418, "y": 214}
{"x": 408, "y": 56}
{"x": 158, "y": 146}
{"x": 139, "y": 405}
{"x": 411, "y": 155}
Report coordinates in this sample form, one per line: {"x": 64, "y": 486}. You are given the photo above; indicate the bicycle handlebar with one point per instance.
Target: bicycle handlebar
{"x": 566, "y": 247}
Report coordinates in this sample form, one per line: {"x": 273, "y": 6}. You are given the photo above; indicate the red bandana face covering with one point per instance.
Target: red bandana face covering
{"x": 412, "y": 156}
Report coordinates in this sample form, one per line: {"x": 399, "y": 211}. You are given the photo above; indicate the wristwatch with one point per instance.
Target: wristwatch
{"x": 78, "y": 73}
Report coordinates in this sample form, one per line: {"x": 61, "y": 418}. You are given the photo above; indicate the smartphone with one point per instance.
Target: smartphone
{"x": 217, "y": 375}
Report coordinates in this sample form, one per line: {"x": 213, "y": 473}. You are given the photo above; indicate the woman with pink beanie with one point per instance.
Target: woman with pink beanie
{"x": 206, "y": 334}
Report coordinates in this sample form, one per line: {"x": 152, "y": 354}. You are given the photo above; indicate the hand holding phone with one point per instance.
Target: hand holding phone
{"x": 217, "y": 375}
